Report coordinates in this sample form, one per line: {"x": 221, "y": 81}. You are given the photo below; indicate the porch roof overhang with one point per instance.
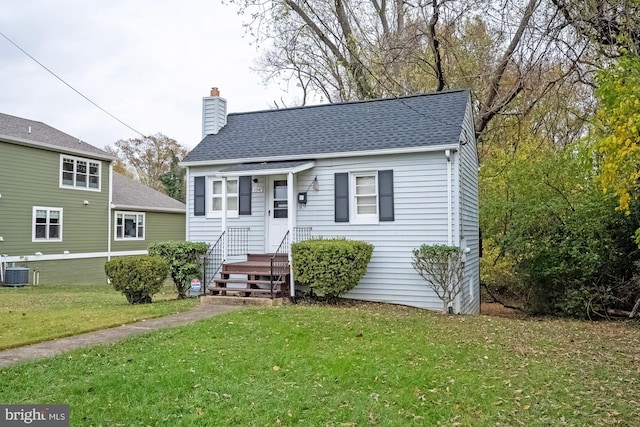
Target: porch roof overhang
{"x": 267, "y": 168}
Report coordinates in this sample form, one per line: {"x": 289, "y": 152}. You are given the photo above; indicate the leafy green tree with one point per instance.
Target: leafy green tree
{"x": 570, "y": 251}
{"x": 185, "y": 260}
{"x": 618, "y": 128}
{"x": 149, "y": 158}
{"x": 174, "y": 181}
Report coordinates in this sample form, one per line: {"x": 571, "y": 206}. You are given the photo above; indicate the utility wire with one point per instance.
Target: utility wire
{"x": 69, "y": 86}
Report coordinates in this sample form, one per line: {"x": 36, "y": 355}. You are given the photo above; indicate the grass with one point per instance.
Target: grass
{"x": 33, "y": 314}
{"x": 347, "y": 366}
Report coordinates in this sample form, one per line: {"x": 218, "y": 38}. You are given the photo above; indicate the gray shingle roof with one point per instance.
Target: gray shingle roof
{"x": 40, "y": 134}
{"x": 300, "y": 133}
{"x": 243, "y": 167}
{"x": 131, "y": 193}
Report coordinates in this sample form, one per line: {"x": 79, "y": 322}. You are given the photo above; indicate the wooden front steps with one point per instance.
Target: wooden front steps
{"x": 253, "y": 277}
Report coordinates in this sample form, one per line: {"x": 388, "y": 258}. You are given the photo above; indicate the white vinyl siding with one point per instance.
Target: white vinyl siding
{"x": 420, "y": 206}
{"x": 80, "y": 173}
{"x": 208, "y": 228}
{"x": 470, "y": 296}
{"x": 47, "y": 224}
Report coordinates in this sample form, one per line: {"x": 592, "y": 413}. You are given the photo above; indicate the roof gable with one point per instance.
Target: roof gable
{"x": 31, "y": 132}
{"x": 352, "y": 127}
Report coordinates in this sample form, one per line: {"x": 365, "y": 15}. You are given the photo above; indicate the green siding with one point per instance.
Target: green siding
{"x": 159, "y": 226}
{"x": 88, "y": 271}
{"x": 30, "y": 177}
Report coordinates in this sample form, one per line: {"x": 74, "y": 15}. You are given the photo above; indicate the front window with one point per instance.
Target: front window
{"x": 365, "y": 197}
{"x": 79, "y": 173}
{"x": 47, "y": 224}
{"x": 129, "y": 226}
{"x": 219, "y": 191}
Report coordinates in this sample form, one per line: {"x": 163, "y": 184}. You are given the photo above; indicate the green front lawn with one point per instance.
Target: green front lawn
{"x": 32, "y": 314}
{"x": 347, "y": 366}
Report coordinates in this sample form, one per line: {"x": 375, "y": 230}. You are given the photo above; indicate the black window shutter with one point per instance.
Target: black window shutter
{"x": 244, "y": 195}
{"x": 199, "y": 196}
{"x": 341, "y": 184}
{"x": 385, "y": 195}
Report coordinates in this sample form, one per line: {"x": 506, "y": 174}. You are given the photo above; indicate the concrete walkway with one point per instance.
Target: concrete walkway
{"x": 107, "y": 336}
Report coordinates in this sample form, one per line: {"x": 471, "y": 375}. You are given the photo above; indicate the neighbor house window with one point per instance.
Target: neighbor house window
{"x": 129, "y": 226}
{"x": 47, "y": 224}
{"x": 76, "y": 172}
{"x": 219, "y": 191}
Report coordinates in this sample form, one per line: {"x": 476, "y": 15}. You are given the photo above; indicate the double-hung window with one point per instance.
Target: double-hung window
{"x": 129, "y": 226}
{"x": 47, "y": 224}
{"x": 219, "y": 192}
{"x": 209, "y": 194}
{"x": 80, "y": 173}
{"x": 364, "y": 197}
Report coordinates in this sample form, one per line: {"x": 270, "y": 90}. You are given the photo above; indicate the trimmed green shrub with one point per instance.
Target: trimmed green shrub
{"x": 441, "y": 266}
{"x": 185, "y": 260}
{"x": 330, "y": 267}
{"x": 138, "y": 278}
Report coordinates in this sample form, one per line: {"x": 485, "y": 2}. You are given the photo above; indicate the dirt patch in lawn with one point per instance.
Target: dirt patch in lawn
{"x": 499, "y": 310}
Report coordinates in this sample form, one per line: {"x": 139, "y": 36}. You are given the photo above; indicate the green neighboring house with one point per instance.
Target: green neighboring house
{"x": 64, "y": 212}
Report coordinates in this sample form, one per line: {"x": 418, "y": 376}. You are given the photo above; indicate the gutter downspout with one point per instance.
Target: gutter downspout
{"x": 187, "y": 235}
{"x": 109, "y": 219}
{"x": 291, "y": 204}
{"x": 447, "y": 154}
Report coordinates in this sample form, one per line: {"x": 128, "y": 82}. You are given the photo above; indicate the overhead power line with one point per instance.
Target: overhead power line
{"x": 69, "y": 86}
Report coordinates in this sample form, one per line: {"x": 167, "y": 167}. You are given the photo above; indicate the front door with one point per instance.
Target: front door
{"x": 277, "y": 212}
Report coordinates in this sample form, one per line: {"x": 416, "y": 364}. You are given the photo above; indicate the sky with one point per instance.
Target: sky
{"x": 147, "y": 62}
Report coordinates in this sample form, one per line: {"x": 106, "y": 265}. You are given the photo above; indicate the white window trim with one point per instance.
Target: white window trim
{"x": 356, "y": 218}
{"x": 127, "y": 239}
{"x": 33, "y": 224}
{"x": 75, "y": 159}
{"x": 209, "y": 195}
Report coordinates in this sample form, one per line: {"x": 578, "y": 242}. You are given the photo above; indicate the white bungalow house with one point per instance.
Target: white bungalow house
{"x": 396, "y": 172}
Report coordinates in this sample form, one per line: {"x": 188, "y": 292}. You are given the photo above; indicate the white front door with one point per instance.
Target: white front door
{"x": 277, "y": 211}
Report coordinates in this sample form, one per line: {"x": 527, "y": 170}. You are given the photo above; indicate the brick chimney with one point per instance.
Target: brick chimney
{"x": 214, "y": 113}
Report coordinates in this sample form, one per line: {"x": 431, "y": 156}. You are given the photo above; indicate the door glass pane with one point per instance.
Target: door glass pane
{"x": 280, "y": 199}
{"x": 280, "y": 189}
